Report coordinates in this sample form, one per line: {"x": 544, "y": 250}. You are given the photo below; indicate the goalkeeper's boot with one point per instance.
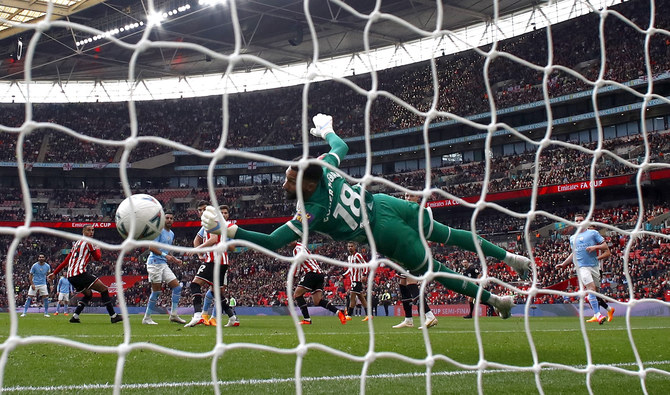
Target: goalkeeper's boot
{"x": 504, "y": 307}
{"x": 342, "y": 317}
{"x": 116, "y": 318}
{"x": 306, "y": 322}
{"x": 205, "y": 319}
{"x": 177, "y": 319}
{"x": 520, "y": 264}
{"x": 196, "y": 320}
{"x": 610, "y": 314}
{"x": 212, "y": 321}
{"x": 406, "y": 323}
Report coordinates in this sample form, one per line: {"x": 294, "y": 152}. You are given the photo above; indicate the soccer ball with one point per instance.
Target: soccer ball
{"x": 148, "y": 216}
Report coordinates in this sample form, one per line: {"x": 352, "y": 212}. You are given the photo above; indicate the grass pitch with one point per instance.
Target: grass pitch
{"x": 261, "y": 356}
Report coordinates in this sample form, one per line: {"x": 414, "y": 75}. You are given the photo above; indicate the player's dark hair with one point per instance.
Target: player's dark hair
{"x": 313, "y": 172}
{"x": 202, "y": 203}
{"x": 169, "y": 212}
{"x": 224, "y": 207}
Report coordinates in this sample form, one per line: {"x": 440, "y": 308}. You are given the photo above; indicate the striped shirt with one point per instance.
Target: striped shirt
{"x": 213, "y": 256}
{"x": 309, "y": 265}
{"x": 79, "y": 257}
{"x": 356, "y": 273}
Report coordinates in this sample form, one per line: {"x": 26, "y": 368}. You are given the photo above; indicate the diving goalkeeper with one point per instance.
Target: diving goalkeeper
{"x": 334, "y": 207}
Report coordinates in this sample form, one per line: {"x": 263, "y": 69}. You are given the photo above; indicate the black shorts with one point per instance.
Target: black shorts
{"x": 82, "y": 282}
{"x": 312, "y": 281}
{"x": 206, "y": 272}
{"x": 356, "y": 287}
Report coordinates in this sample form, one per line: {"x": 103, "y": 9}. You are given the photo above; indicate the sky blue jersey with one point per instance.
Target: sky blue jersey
{"x": 64, "y": 286}
{"x": 39, "y": 273}
{"x": 166, "y": 237}
{"x": 579, "y": 242}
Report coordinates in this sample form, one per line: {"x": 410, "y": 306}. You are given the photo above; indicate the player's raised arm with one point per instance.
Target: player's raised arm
{"x": 324, "y": 129}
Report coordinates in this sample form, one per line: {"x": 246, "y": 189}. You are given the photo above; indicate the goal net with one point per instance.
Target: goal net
{"x": 508, "y": 128}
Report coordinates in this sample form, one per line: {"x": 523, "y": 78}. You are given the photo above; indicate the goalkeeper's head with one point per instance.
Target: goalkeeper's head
{"x": 310, "y": 180}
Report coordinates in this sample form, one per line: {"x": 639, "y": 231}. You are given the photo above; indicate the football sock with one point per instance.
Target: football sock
{"x": 46, "y": 305}
{"x": 601, "y": 302}
{"x": 226, "y": 307}
{"x": 593, "y": 301}
{"x": 302, "y": 304}
{"x": 328, "y": 306}
{"x": 81, "y": 304}
{"x": 472, "y": 306}
{"x": 414, "y": 294}
{"x": 25, "y": 306}
{"x": 406, "y": 298}
{"x": 209, "y": 300}
{"x": 196, "y": 292}
{"x": 463, "y": 239}
{"x": 461, "y": 286}
{"x": 107, "y": 301}
{"x": 151, "y": 306}
{"x": 176, "y": 295}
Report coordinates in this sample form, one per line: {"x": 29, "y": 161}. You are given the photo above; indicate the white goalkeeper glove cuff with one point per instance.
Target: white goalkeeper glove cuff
{"x": 210, "y": 221}
{"x": 323, "y": 125}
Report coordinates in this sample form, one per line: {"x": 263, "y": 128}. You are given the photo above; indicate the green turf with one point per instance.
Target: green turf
{"x": 240, "y": 368}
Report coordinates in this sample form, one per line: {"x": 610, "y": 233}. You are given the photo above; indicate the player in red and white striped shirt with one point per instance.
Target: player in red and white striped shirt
{"x": 357, "y": 277}
{"x": 312, "y": 280}
{"x": 81, "y": 254}
{"x": 205, "y": 274}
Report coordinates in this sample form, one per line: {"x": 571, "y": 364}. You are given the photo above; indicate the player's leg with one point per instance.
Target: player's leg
{"x": 414, "y": 291}
{"x": 589, "y": 278}
{"x": 83, "y": 302}
{"x": 301, "y": 302}
{"x": 29, "y": 301}
{"x": 154, "y": 274}
{"x": 207, "y": 306}
{"x": 405, "y": 299}
{"x": 196, "y": 297}
{"x": 364, "y": 305}
{"x": 151, "y": 305}
{"x": 106, "y": 300}
{"x": 404, "y": 246}
{"x": 45, "y": 301}
{"x": 176, "y": 295}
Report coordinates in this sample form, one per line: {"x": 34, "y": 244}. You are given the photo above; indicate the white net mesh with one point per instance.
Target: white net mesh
{"x": 419, "y": 100}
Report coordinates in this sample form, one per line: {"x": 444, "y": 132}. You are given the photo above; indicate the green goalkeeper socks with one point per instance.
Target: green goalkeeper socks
{"x": 463, "y": 239}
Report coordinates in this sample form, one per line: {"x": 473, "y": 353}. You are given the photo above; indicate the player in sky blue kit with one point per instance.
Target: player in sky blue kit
{"x": 159, "y": 272}
{"x": 64, "y": 289}
{"x": 38, "y": 284}
{"x": 586, "y": 245}
{"x": 334, "y": 207}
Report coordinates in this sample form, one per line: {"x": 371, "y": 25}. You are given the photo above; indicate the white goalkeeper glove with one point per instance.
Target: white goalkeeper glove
{"x": 213, "y": 222}
{"x": 324, "y": 125}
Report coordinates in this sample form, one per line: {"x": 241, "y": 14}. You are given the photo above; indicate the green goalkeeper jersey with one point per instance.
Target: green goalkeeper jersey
{"x": 335, "y": 208}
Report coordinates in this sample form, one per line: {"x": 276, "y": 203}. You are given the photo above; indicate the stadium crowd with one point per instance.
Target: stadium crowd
{"x": 263, "y": 118}
{"x": 256, "y": 279}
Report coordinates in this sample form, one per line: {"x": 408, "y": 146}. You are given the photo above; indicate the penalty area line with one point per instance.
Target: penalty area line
{"x": 107, "y": 386}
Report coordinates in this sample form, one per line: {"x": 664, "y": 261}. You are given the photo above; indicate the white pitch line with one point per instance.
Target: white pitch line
{"x": 290, "y": 380}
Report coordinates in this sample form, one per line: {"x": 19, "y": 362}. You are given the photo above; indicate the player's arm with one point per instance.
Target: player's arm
{"x": 273, "y": 241}
{"x": 324, "y": 129}
{"x": 61, "y": 266}
{"x": 604, "y": 247}
{"x": 566, "y": 262}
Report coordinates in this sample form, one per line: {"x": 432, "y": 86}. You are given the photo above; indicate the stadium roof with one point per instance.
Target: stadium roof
{"x": 275, "y": 30}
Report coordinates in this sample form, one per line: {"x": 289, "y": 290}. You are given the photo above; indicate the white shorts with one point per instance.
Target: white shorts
{"x": 39, "y": 290}
{"x": 159, "y": 273}
{"x": 63, "y": 297}
{"x": 588, "y": 275}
